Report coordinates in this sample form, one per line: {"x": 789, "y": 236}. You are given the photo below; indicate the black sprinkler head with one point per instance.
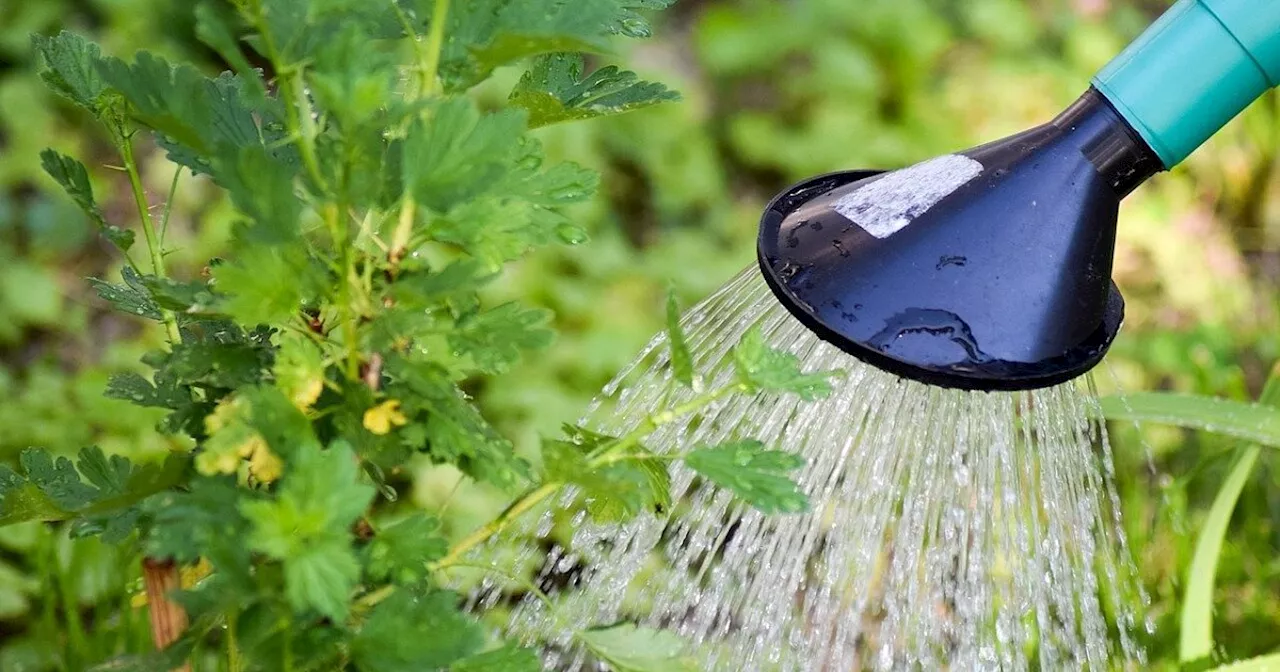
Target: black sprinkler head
{"x": 984, "y": 270}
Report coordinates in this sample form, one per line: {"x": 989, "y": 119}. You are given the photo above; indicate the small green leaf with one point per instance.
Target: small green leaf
{"x": 73, "y": 68}
{"x": 681, "y": 360}
{"x": 206, "y": 116}
{"x": 190, "y": 296}
{"x": 417, "y": 628}
{"x": 74, "y": 178}
{"x": 753, "y": 473}
{"x": 495, "y": 338}
{"x": 506, "y": 659}
{"x": 617, "y": 490}
{"x": 131, "y": 297}
{"x": 766, "y": 369}
{"x": 134, "y": 388}
{"x": 454, "y": 431}
{"x": 555, "y": 90}
{"x": 403, "y": 550}
{"x": 629, "y": 648}
{"x": 266, "y": 284}
{"x": 1242, "y": 420}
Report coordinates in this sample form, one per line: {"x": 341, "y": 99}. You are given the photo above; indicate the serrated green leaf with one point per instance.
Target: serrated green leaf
{"x": 227, "y": 360}
{"x": 454, "y": 285}
{"x": 202, "y": 521}
{"x": 93, "y": 488}
{"x": 630, "y": 648}
{"x": 402, "y": 551}
{"x": 134, "y": 388}
{"x": 261, "y": 186}
{"x": 131, "y": 297}
{"x": 487, "y": 34}
{"x": 756, "y": 475}
{"x": 762, "y": 368}
{"x": 460, "y": 153}
{"x": 616, "y": 491}
{"x": 453, "y": 431}
{"x": 73, "y": 68}
{"x": 506, "y": 659}
{"x": 266, "y": 284}
{"x": 555, "y": 90}
{"x": 494, "y": 339}
{"x": 207, "y": 116}
{"x": 74, "y": 178}
{"x": 417, "y": 628}
{"x": 193, "y": 295}
{"x": 681, "y": 360}
{"x": 307, "y": 528}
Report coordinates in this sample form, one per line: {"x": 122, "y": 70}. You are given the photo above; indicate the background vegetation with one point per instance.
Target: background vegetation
{"x": 773, "y": 91}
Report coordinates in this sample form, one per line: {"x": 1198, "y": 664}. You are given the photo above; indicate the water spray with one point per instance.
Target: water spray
{"x": 963, "y": 506}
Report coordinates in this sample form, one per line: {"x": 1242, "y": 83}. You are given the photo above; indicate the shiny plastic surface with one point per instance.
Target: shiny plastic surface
{"x": 1003, "y": 284}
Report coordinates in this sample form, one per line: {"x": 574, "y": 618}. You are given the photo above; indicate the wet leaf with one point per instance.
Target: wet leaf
{"x": 751, "y": 472}
{"x": 681, "y": 360}
{"x": 762, "y": 368}
{"x": 631, "y": 648}
{"x": 1242, "y": 420}
{"x": 555, "y": 90}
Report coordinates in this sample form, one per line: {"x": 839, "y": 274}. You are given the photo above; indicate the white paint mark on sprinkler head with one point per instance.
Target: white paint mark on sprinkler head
{"x": 887, "y": 205}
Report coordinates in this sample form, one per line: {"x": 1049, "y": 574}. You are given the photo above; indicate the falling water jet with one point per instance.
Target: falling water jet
{"x": 947, "y": 528}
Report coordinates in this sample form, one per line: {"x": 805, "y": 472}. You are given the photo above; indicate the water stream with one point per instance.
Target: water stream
{"x": 948, "y": 529}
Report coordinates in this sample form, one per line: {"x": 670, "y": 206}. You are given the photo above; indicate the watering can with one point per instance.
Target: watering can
{"x": 990, "y": 269}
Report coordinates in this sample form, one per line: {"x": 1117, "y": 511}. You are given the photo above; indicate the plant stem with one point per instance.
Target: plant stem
{"x": 168, "y": 207}
{"x": 233, "y": 647}
{"x": 149, "y": 232}
{"x": 435, "y": 45}
{"x": 168, "y": 620}
{"x": 517, "y": 509}
{"x": 297, "y": 111}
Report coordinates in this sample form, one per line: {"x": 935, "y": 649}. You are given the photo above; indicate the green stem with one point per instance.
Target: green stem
{"x": 233, "y": 647}
{"x": 168, "y": 207}
{"x": 497, "y": 525}
{"x": 149, "y": 232}
{"x": 435, "y": 46}
{"x": 300, "y": 125}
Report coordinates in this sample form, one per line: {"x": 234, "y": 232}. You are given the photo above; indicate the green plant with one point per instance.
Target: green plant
{"x": 1255, "y": 422}
{"x": 335, "y": 341}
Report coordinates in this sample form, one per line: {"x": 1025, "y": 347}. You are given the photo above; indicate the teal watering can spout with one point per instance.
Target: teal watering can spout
{"x": 1194, "y": 70}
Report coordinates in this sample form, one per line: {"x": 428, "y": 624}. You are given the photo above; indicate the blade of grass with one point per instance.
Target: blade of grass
{"x": 1251, "y": 422}
{"x": 1195, "y": 639}
{"x": 1268, "y": 663}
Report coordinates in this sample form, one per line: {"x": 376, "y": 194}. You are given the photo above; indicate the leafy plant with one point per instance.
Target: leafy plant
{"x": 333, "y": 343}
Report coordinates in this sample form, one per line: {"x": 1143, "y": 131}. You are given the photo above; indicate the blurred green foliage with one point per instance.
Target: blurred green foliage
{"x": 774, "y": 91}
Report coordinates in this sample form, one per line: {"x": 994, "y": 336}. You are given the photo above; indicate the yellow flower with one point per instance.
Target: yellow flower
{"x": 382, "y": 417}
{"x": 264, "y": 464}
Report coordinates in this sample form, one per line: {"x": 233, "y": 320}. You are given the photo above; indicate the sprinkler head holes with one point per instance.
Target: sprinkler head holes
{"x": 985, "y": 270}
